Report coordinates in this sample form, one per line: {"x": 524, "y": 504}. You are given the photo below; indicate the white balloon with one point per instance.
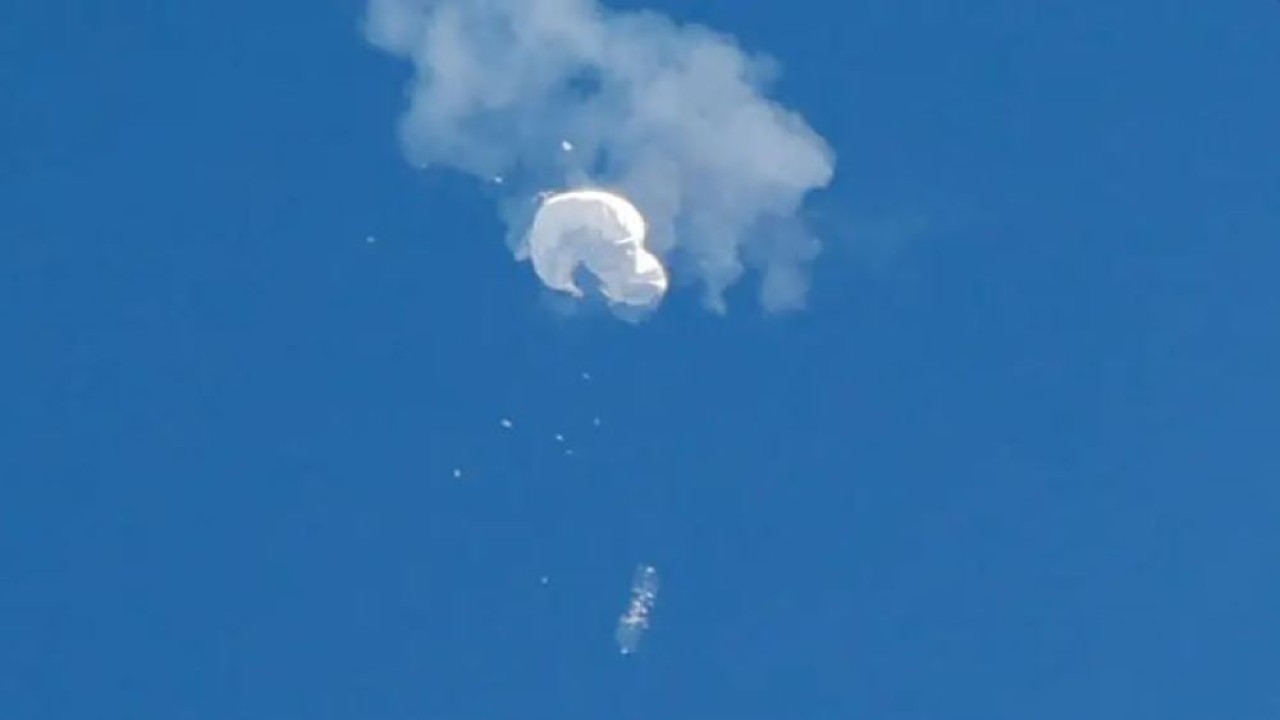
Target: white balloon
{"x": 603, "y": 233}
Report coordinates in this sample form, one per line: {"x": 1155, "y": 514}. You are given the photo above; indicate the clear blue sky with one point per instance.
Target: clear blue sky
{"x": 1017, "y": 459}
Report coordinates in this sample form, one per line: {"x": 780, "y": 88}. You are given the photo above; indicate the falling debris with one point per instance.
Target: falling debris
{"x": 506, "y": 423}
{"x": 568, "y": 451}
{"x": 457, "y": 473}
{"x": 633, "y": 622}
{"x": 497, "y": 180}
{"x": 566, "y": 146}
{"x": 595, "y": 421}
{"x": 559, "y": 438}
{"x": 586, "y": 376}
{"x": 370, "y": 239}
{"x": 544, "y": 579}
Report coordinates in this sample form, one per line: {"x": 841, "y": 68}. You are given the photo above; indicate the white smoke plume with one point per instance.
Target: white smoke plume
{"x": 556, "y": 94}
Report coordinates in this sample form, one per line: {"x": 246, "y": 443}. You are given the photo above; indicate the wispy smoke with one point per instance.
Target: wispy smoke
{"x": 675, "y": 117}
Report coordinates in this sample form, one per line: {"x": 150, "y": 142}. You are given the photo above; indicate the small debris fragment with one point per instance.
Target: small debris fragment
{"x": 506, "y": 423}
{"x": 566, "y": 146}
{"x": 457, "y": 473}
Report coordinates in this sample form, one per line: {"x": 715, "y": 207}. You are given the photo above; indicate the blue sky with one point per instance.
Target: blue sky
{"x": 1016, "y": 458}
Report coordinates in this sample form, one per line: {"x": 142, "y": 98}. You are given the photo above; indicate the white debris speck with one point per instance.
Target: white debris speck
{"x": 497, "y": 180}
{"x": 457, "y": 473}
{"x": 568, "y": 451}
{"x": 595, "y": 422}
{"x": 566, "y": 146}
{"x": 586, "y": 376}
{"x": 370, "y": 239}
{"x": 506, "y": 423}
{"x": 559, "y": 437}
{"x": 544, "y": 579}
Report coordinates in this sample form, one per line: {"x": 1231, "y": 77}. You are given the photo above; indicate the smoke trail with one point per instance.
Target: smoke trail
{"x": 674, "y": 117}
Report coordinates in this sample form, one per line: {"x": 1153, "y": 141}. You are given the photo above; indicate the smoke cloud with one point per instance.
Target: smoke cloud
{"x": 554, "y": 94}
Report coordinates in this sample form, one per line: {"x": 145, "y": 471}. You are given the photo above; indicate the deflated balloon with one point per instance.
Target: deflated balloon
{"x": 602, "y": 233}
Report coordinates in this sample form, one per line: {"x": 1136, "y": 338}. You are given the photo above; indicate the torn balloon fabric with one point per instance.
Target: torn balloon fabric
{"x": 599, "y": 232}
